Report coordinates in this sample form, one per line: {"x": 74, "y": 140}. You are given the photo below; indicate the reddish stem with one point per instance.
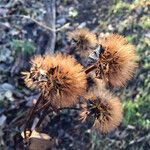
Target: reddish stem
{"x": 90, "y": 68}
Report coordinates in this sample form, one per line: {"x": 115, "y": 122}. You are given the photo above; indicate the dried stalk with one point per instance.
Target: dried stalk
{"x": 90, "y": 68}
{"x": 31, "y": 114}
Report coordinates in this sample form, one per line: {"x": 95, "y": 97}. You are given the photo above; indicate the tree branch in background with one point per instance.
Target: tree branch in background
{"x": 48, "y": 26}
{"x": 50, "y": 19}
{"x": 35, "y": 21}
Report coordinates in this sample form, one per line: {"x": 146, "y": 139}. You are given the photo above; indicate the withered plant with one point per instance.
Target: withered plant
{"x": 82, "y": 41}
{"x": 63, "y": 81}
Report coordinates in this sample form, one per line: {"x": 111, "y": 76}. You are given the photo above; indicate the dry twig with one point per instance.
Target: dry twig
{"x": 36, "y": 21}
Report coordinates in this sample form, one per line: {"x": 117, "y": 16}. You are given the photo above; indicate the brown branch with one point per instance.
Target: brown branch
{"x": 44, "y": 114}
{"x": 30, "y": 115}
{"x": 90, "y": 68}
{"x": 35, "y": 21}
{"x": 44, "y": 106}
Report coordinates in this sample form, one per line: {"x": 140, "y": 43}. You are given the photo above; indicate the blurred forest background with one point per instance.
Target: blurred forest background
{"x": 23, "y": 34}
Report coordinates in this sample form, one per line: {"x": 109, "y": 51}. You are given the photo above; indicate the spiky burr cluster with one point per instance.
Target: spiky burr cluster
{"x": 105, "y": 108}
{"x": 117, "y": 62}
{"x": 83, "y": 41}
{"x": 62, "y": 80}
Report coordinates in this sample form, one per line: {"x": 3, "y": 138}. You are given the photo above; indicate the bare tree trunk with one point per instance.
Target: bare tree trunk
{"x": 50, "y": 18}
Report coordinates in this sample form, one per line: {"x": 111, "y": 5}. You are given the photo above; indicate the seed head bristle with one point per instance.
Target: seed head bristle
{"x": 83, "y": 41}
{"x": 118, "y": 61}
{"x": 106, "y": 109}
{"x": 60, "y": 78}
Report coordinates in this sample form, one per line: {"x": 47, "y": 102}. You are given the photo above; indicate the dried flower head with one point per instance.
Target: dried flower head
{"x": 83, "y": 41}
{"x": 36, "y": 77}
{"x": 60, "y": 78}
{"x": 117, "y": 62}
{"x": 105, "y": 108}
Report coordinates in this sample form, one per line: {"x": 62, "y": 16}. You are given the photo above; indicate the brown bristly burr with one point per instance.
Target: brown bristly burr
{"x": 59, "y": 77}
{"x": 84, "y": 41}
{"x": 105, "y": 108}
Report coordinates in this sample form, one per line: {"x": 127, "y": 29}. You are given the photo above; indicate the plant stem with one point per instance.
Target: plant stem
{"x": 31, "y": 114}
{"x": 90, "y": 68}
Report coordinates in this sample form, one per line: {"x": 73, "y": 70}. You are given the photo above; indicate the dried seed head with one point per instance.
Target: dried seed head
{"x": 37, "y": 76}
{"x": 60, "y": 78}
{"x": 83, "y": 41}
{"x": 106, "y": 109}
{"x": 117, "y": 62}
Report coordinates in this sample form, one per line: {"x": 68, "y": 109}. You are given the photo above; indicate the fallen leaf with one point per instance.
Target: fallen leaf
{"x": 38, "y": 135}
